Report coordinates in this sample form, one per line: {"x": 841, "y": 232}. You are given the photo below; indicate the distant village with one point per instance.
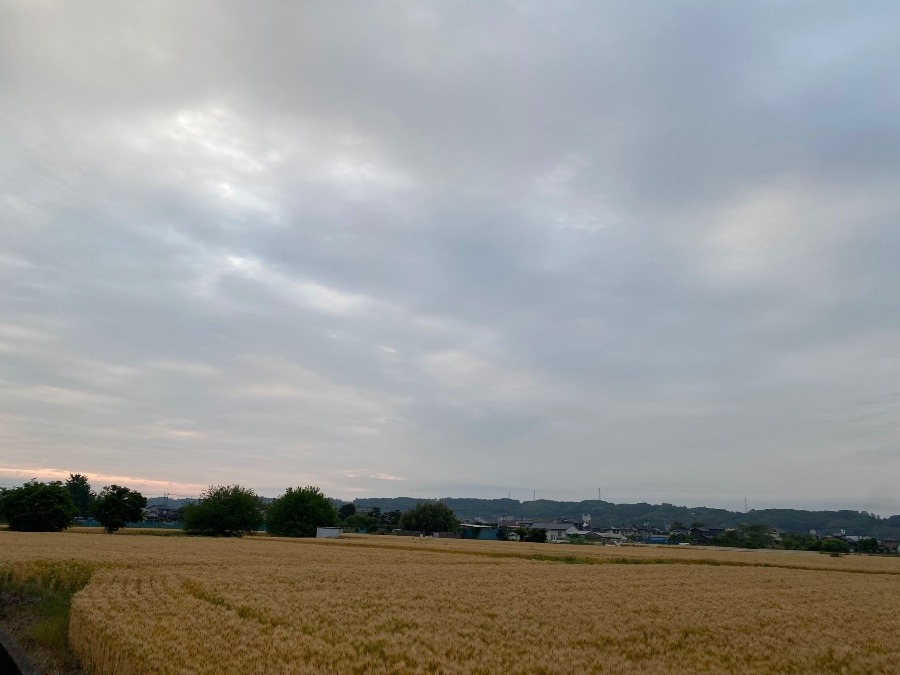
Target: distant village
{"x": 584, "y": 531}
{"x": 371, "y": 520}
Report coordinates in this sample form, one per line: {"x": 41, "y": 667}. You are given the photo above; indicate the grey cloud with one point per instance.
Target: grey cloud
{"x": 448, "y": 242}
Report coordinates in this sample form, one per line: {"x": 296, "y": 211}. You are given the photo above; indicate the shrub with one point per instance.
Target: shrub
{"x": 869, "y": 545}
{"x": 298, "y": 512}
{"x": 834, "y": 545}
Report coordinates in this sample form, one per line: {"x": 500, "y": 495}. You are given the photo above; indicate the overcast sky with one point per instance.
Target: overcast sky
{"x": 454, "y": 249}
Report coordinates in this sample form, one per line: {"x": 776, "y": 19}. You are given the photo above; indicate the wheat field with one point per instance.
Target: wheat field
{"x": 395, "y": 605}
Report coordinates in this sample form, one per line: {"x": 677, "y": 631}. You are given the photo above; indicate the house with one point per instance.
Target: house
{"x": 477, "y": 530}
{"x": 555, "y": 531}
{"x": 160, "y": 513}
{"x": 606, "y": 538}
{"x": 635, "y": 532}
{"x": 705, "y": 535}
{"x": 641, "y": 532}
{"x": 889, "y": 546}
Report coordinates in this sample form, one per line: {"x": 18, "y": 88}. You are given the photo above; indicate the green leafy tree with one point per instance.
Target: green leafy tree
{"x": 799, "y": 542}
{"x": 537, "y": 535}
{"x": 503, "y": 533}
{"x": 428, "y": 517}
{"x": 82, "y": 496}
{"x": 37, "y": 507}
{"x": 747, "y": 536}
{"x": 391, "y": 519}
{"x": 224, "y": 511}
{"x": 834, "y": 545}
{"x": 758, "y": 536}
{"x": 346, "y": 511}
{"x": 533, "y": 534}
{"x": 116, "y": 505}
{"x": 869, "y": 545}
{"x": 299, "y": 511}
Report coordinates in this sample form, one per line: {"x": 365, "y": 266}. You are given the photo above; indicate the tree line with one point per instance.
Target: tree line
{"x": 51, "y": 507}
{"x": 223, "y": 510}
{"x": 747, "y": 535}
{"x": 233, "y": 510}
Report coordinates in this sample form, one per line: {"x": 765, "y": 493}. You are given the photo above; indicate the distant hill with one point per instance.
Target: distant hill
{"x": 656, "y": 515}
{"x": 170, "y": 502}
{"x": 178, "y": 503}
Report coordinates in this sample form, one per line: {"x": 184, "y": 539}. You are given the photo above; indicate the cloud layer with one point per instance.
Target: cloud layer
{"x": 455, "y": 249}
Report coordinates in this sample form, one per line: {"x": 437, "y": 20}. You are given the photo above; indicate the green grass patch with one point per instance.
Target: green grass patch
{"x": 34, "y": 609}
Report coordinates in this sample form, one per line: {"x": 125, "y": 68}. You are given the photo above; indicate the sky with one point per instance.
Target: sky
{"x": 636, "y": 249}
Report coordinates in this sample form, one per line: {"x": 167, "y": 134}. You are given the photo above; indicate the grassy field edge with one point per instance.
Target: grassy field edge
{"x": 35, "y": 601}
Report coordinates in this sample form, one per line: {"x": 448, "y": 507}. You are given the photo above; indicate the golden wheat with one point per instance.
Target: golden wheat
{"x": 385, "y": 604}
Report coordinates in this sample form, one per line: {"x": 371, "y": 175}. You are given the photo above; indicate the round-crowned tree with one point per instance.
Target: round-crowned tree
{"x": 116, "y": 505}
{"x": 37, "y": 507}
{"x": 224, "y": 511}
{"x": 427, "y": 517}
{"x": 299, "y": 511}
